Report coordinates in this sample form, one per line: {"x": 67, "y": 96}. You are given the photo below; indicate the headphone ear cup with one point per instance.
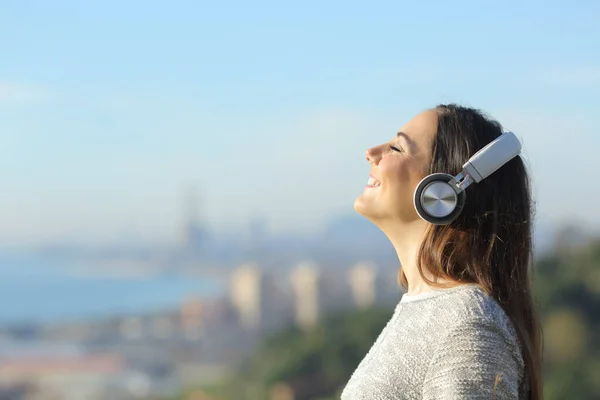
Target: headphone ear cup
{"x": 436, "y": 201}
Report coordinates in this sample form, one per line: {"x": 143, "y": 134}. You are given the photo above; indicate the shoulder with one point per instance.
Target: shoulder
{"x": 475, "y": 343}
{"x": 472, "y": 307}
{"x": 472, "y": 312}
{"x": 459, "y": 307}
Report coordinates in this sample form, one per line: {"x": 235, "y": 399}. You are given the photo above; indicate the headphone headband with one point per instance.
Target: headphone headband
{"x": 487, "y": 160}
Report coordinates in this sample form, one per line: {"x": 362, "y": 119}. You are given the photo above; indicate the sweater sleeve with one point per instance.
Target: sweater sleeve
{"x": 476, "y": 360}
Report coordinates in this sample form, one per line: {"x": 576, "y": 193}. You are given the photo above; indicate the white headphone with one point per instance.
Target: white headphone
{"x": 439, "y": 198}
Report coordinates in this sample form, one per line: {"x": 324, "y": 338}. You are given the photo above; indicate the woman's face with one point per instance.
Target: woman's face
{"x": 397, "y": 167}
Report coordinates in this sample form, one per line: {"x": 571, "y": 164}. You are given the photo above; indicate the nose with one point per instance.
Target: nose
{"x": 373, "y": 155}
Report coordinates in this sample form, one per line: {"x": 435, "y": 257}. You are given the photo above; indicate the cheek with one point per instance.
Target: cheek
{"x": 397, "y": 172}
{"x": 402, "y": 176}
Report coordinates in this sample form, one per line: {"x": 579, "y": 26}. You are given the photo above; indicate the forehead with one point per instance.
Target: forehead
{"x": 422, "y": 128}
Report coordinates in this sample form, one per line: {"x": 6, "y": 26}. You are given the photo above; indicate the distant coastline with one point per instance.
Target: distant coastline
{"x": 36, "y": 291}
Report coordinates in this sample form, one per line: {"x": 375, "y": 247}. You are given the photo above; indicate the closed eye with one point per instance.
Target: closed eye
{"x": 395, "y": 149}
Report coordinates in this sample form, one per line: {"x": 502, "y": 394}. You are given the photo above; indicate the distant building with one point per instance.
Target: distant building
{"x": 192, "y": 313}
{"x": 245, "y": 295}
{"x": 195, "y": 234}
{"x": 162, "y": 327}
{"x": 258, "y": 299}
{"x": 319, "y": 292}
{"x": 335, "y": 293}
{"x": 64, "y": 376}
{"x": 131, "y": 328}
{"x": 362, "y": 283}
{"x": 305, "y": 286}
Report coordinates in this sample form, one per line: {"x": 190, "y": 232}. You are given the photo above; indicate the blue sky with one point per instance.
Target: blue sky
{"x": 110, "y": 111}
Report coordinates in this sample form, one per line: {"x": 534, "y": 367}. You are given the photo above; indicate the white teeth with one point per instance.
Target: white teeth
{"x": 373, "y": 182}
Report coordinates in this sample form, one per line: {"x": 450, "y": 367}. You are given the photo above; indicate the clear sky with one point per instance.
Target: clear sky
{"x": 111, "y": 110}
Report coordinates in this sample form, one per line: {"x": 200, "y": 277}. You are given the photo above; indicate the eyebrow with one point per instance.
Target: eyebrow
{"x": 408, "y": 140}
{"x": 404, "y": 135}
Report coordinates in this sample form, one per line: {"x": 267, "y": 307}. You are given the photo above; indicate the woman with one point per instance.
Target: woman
{"x": 466, "y": 327}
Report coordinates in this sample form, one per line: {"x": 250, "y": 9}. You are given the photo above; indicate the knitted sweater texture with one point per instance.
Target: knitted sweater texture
{"x": 445, "y": 344}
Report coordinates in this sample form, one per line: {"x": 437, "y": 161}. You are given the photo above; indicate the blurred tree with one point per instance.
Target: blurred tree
{"x": 314, "y": 364}
{"x": 568, "y": 288}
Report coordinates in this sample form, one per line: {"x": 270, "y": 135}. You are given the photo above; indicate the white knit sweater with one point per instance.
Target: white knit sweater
{"x": 445, "y": 344}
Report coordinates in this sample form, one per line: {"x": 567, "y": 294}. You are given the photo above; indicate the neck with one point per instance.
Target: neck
{"x": 407, "y": 239}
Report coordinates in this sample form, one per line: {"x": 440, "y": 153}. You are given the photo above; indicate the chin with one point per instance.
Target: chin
{"x": 359, "y": 205}
{"x": 379, "y": 214}
{"x": 364, "y": 208}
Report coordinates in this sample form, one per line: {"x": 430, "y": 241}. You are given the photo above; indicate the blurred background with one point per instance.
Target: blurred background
{"x": 177, "y": 184}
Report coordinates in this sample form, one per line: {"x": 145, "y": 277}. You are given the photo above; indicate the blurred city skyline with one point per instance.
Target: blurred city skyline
{"x": 111, "y": 112}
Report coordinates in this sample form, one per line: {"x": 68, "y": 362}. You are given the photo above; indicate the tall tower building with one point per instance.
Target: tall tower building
{"x": 305, "y": 285}
{"x": 194, "y": 234}
{"x": 245, "y": 295}
{"x": 362, "y": 279}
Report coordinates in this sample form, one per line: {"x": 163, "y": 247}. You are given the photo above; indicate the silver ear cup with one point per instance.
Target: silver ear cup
{"x": 436, "y": 201}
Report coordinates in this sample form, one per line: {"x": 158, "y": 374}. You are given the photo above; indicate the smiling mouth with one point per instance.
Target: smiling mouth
{"x": 373, "y": 182}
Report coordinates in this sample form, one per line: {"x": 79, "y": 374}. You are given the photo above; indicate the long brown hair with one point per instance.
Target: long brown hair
{"x": 490, "y": 243}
